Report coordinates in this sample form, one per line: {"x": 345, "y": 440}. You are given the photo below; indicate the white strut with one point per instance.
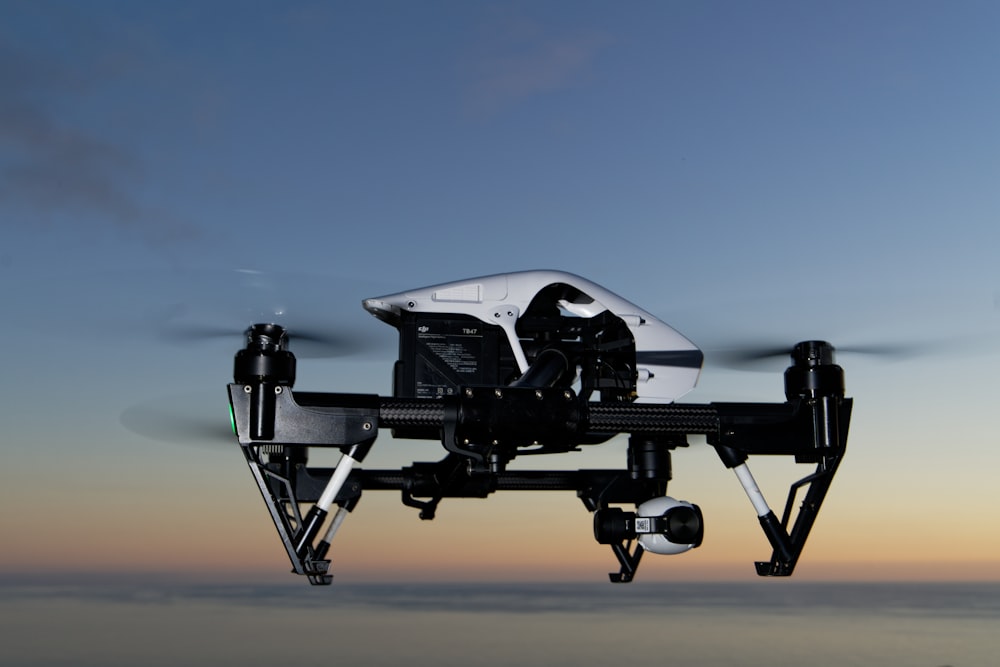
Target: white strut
{"x": 753, "y": 492}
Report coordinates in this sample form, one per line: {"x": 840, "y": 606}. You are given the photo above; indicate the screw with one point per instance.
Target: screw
{"x": 277, "y": 390}
{"x": 468, "y": 392}
{"x": 497, "y": 393}
{"x": 367, "y": 426}
{"x": 538, "y": 394}
{"x": 247, "y": 389}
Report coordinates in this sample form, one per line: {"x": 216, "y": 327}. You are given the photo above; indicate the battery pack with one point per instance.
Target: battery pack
{"x": 438, "y": 354}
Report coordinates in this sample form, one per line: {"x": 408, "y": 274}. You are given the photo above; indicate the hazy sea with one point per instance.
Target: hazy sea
{"x": 760, "y": 624}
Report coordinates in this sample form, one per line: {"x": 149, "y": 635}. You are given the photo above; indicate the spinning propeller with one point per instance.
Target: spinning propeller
{"x": 193, "y": 419}
{"x": 764, "y": 357}
{"x": 320, "y": 315}
{"x": 308, "y": 343}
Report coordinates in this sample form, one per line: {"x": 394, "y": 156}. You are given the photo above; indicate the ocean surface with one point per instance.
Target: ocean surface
{"x": 760, "y": 624}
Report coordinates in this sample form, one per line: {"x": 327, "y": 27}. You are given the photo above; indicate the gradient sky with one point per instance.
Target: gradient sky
{"x": 771, "y": 171}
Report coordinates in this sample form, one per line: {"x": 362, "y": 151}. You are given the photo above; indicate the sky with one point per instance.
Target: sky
{"x": 765, "y": 172}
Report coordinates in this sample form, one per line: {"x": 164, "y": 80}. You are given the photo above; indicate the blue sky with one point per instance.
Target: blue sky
{"x": 770, "y": 171}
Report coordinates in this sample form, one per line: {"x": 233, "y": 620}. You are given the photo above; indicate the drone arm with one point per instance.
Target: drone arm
{"x": 813, "y": 428}
{"x": 350, "y": 423}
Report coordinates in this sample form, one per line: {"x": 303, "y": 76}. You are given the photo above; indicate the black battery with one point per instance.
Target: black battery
{"x": 438, "y": 354}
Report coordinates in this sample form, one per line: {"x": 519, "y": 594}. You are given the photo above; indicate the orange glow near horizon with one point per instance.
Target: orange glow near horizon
{"x": 497, "y": 539}
{"x": 171, "y": 524}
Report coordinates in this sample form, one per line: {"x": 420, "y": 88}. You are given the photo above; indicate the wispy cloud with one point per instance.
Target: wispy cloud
{"x": 56, "y": 166}
{"x": 971, "y": 600}
{"x": 523, "y": 60}
{"x": 50, "y": 165}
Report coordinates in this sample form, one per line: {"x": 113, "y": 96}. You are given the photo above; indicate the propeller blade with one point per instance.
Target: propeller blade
{"x": 303, "y": 343}
{"x": 323, "y": 316}
{"x": 765, "y": 357}
{"x": 196, "y": 419}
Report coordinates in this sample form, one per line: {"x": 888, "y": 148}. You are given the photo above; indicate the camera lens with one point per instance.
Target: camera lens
{"x": 612, "y": 525}
{"x": 684, "y": 525}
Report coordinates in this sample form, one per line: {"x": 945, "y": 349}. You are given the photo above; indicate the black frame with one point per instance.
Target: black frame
{"x": 484, "y": 427}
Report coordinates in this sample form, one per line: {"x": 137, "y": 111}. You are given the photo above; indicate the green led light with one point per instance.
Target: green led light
{"x": 232, "y": 420}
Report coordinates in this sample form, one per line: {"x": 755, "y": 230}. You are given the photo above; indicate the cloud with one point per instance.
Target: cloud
{"x": 953, "y": 600}
{"x": 56, "y": 166}
{"x": 51, "y": 166}
{"x": 522, "y": 62}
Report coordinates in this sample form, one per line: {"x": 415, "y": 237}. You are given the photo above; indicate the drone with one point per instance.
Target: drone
{"x": 531, "y": 363}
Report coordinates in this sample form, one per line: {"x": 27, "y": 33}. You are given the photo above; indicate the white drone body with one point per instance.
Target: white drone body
{"x": 532, "y": 363}
{"x": 667, "y": 363}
